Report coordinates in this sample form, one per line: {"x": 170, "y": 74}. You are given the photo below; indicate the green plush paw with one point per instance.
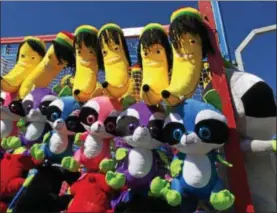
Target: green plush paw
{"x": 37, "y": 152}
{"x": 173, "y": 198}
{"x": 11, "y": 143}
{"x": 274, "y": 145}
{"x": 21, "y": 125}
{"x": 222, "y": 200}
{"x": 120, "y": 154}
{"x": 70, "y": 164}
{"x": 77, "y": 139}
{"x": 115, "y": 180}
{"x": 176, "y": 167}
{"x": 107, "y": 165}
{"x": 159, "y": 186}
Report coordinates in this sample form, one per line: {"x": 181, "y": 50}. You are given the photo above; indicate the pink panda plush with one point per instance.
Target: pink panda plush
{"x": 98, "y": 116}
{"x": 8, "y": 119}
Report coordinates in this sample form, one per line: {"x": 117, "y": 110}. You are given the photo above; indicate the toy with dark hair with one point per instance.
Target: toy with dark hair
{"x": 90, "y": 41}
{"x": 190, "y": 24}
{"x": 34, "y": 45}
{"x": 115, "y": 35}
{"x": 153, "y": 37}
{"x": 64, "y": 53}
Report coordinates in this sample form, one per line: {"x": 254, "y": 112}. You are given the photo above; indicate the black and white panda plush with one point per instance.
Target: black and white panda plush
{"x": 255, "y": 112}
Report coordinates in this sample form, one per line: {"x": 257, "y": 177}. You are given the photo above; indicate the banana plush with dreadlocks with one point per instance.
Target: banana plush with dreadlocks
{"x": 190, "y": 41}
{"x": 155, "y": 58}
{"x": 116, "y": 61}
{"x": 59, "y": 55}
{"x": 88, "y": 61}
{"x": 30, "y": 53}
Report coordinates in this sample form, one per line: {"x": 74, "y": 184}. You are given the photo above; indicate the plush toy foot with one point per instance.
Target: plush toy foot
{"x": 11, "y": 143}
{"x": 222, "y": 200}
{"x": 37, "y": 152}
{"x": 115, "y": 180}
{"x": 70, "y": 164}
{"x": 158, "y": 186}
{"x": 106, "y": 165}
{"x": 173, "y": 198}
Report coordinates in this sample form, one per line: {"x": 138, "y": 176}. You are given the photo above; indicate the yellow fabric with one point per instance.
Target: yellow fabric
{"x": 155, "y": 73}
{"x": 27, "y": 62}
{"x": 86, "y": 73}
{"x": 187, "y": 67}
{"x": 117, "y": 70}
{"x": 43, "y": 74}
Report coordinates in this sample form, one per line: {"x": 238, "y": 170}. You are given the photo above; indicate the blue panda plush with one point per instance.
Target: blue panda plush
{"x": 196, "y": 130}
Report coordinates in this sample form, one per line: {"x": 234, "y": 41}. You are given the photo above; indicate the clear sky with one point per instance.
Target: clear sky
{"x": 36, "y": 18}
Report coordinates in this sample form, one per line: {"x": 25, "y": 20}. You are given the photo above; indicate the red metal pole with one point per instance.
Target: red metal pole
{"x": 237, "y": 176}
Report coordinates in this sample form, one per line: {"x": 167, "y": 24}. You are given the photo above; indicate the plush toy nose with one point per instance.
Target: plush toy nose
{"x": 58, "y": 124}
{"x": 105, "y": 84}
{"x": 165, "y": 94}
{"x": 145, "y": 88}
{"x": 97, "y": 127}
{"x": 76, "y": 92}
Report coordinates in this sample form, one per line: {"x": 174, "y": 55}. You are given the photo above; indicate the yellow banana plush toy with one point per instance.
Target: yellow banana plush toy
{"x": 155, "y": 58}
{"x": 30, "y": 53}
{"x": 190, "y": 41}
{"x": 116, "y": 61}
{"x": 59, "y": 55}
{"x": 88, "y": 60}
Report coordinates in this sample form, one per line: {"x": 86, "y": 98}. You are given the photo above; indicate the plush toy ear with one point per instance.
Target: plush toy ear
{"x": 66, "y": 91}
{"x": 127, "y": 101}
{"x": 213, "y": 98}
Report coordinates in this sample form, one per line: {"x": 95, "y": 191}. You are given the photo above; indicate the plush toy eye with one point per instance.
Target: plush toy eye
{"x": 145, "y": 54}
{"x": 110, "y": 126}
{"x": 116, "y": 48}
{"x": 154, "y": 131}
{"x": 2, "y": 101}
{"x": 79, "y": 51}
{"x": 177, "y": 134}
{"x": 91, "y": 52}
{"x": 132, "y": 127}
{"x": 158, "y": 51}
{"x": 91, "y": 119}
{"x": 22, "y": 56}
{"x": 54, "y": 116}
{"x": 204, "y": 133}
{"x": 44, "y": 106}
{"x": 33, "y": 57}
{"x": 104, "y": 52}
{"x": 192, "y": 41}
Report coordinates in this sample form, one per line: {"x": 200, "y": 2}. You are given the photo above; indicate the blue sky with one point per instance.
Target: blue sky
{"x": 36, "y": 18}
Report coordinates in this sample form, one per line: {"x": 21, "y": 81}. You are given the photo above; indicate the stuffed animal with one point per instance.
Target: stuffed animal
{"x": 13, "y": 172}
{"x": 88, "y": 61}
{"x": 116, "y": 61}
{"x": 140, "y": 126}
{"x": 8, "y": 119}
{"x": 255, "y": 109}
{"x": 196, "y": 130}
{"x": 66, "y": 83}
{"x": 98, "y": 116}
{"x": 190, "y": 42}
{"x": 59, "y": 55}
{"x": 91, "y": 192}
{"x": 33, "y": 108}
{"x": 30, "y": 53}
{"x": 155, "y": 58}
{"x": 62, "y": 115}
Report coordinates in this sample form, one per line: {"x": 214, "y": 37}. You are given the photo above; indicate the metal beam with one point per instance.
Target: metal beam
{"x": 247, "y": 40}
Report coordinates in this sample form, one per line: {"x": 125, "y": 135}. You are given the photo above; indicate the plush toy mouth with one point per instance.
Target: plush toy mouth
{"x": 86, "y": 62}
{"x": 185, "y": 56}
{"x": 22, "y": 64}
{"x": 113, "y": 60}
{"x": 153, "y": 64}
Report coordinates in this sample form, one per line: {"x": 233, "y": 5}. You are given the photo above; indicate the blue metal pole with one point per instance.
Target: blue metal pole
{"x": 220, "y": 30}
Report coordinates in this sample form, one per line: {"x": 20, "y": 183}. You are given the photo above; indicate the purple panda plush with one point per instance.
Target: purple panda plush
{"x": 32, "y": 108}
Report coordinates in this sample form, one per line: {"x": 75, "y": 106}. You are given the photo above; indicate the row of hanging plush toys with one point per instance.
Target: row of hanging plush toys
{"x": 141, "y": 132}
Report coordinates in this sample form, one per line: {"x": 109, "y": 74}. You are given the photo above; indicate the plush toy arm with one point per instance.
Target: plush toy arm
{"x": 259, "y": 146}
{"x": 46, "y": 137}
{"x": 163, "y": 157}
{"x": 38, "y": 151}
{"x": 176, "y": 167}
{"x": 14, "y": 185}
{"x": 220, "y": 159}
{"x": 107, "y": 165}
{"x": 21, "y": 125}
{"x": 80, "y": 138}
{"x": 121, "y": 153}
